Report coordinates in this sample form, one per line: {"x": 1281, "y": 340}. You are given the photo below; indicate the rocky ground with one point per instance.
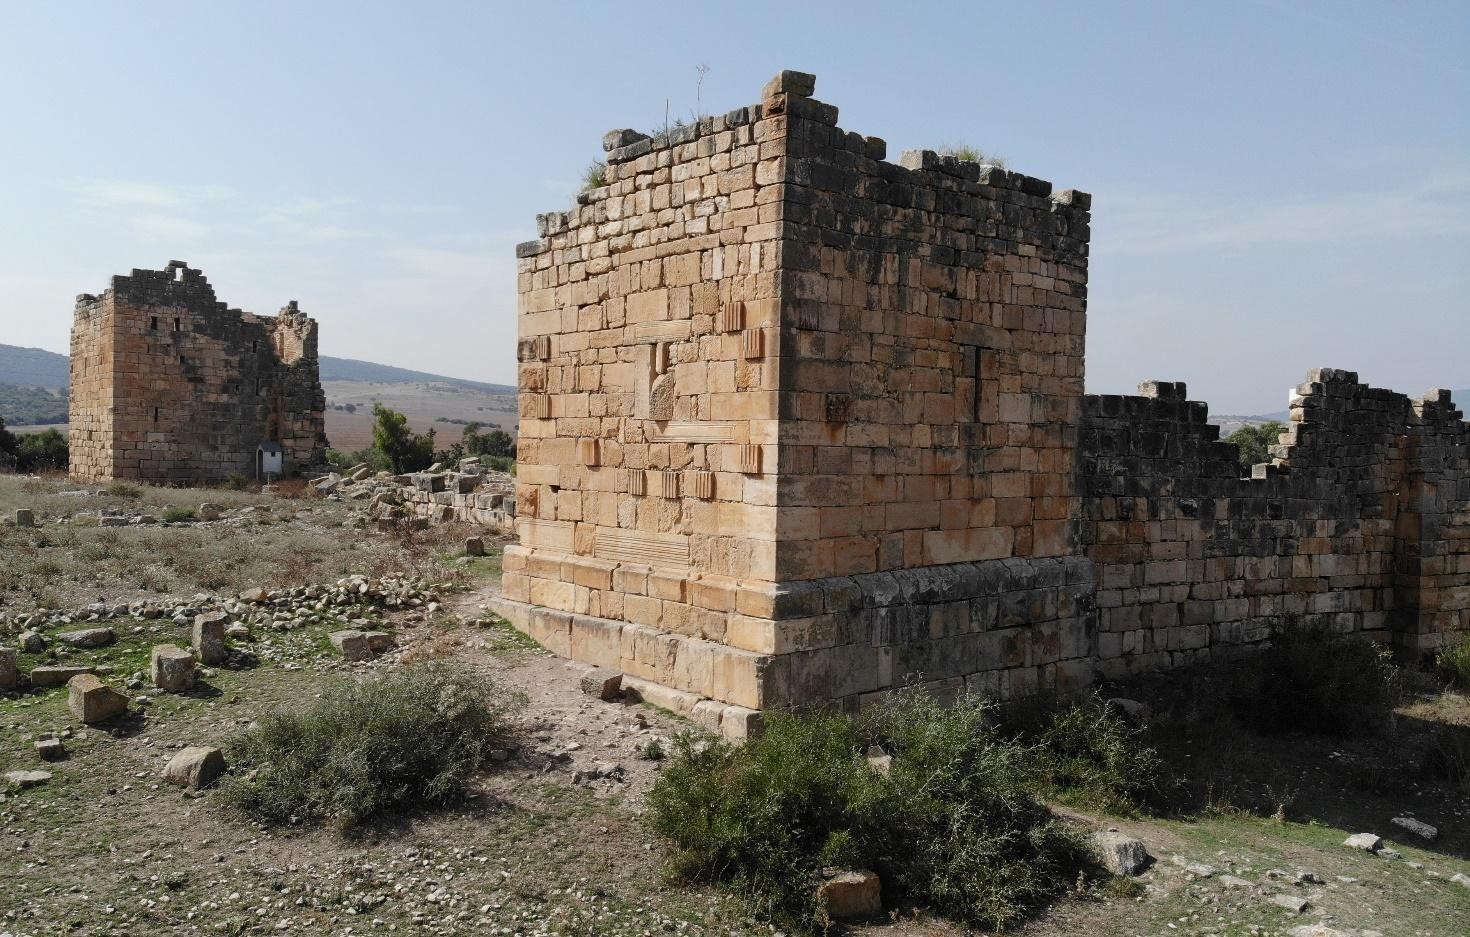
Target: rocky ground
{"x": 553, "y": 840}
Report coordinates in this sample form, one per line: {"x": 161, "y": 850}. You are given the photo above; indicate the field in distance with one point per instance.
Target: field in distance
{"x": 427, "y": 405}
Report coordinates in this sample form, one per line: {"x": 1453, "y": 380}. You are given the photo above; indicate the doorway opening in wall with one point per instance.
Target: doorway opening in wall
{"x": 153, "y": 323}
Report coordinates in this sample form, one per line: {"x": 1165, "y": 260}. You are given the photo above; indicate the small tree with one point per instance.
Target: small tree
{"x": 43, "y": 452}
{"x": 8, "y": 451}
{"x": 405, "y": 450}
{"x": 1253, "y": 443}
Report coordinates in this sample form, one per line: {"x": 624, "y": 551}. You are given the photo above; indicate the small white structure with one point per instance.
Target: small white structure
{"x": 268, "y": 458}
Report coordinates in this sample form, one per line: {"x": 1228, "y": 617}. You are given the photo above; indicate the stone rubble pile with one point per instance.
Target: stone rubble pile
{"x": 471, "y": 494}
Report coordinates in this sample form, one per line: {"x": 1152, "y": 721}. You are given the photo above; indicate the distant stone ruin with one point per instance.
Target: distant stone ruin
{"x": 169, "y": 385}
{"x": 801, "y": 424}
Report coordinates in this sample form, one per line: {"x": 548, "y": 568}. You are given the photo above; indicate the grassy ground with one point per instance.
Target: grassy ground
{"x": 106, "y": 848}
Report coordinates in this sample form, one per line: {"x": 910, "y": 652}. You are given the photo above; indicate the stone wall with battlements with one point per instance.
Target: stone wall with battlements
{"x": 799, "y": 423}
{"x": 169, "y": 385}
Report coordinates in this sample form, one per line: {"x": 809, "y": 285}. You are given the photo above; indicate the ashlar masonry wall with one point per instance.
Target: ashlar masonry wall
{"x": 169, "y": 385}
{"x": 801, "y": 424}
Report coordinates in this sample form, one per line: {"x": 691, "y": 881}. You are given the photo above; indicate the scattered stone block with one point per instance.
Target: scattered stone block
{"x": 254, "y": 595}
{"x": 209, "y": 638}
{"x": 378, "y": 641}
{"x": 25, "y": 517}
{"x": 1370, "y": 842}
{"x": 50, "y": 749}
{"x": 1321, "y": 930}
{"x": 1293, "y": 903}
{"x": 851, "y": 896}
{"x": 352, "y": 644}
{"x": 1460, "y": 878}
{"x": 1197, "y": 869}
{"x": 56, "y": 674}
{"x": 1418, "y": 827}
{"x": 602, "y": 683}
{"x": 172, "y": 668}
{"x": 1230, "y": 881}
{"x": 9, "y": 676}
{"x": 112, "y": 520}
{"x": 25, "y": 779}
{"x": 238, "y": 632}
{"x": 474, "y": 546}
{"x": 33, "y": 642}
{"x": 1133, "y": 710}
{"x": 1120, "y": 853}
{"x": 93, "y": 701}
{"x": 89, "y": 637}
{"x": 209, "y": 511}
{"x": 195, "y": 767}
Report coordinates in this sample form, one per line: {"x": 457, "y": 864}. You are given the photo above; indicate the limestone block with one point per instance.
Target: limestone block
{"x": 602, "y": 683}
{"x": 25, "y": 517}
{"x": 8, "y": 674}
{"x": 851, "y": 896}
{"x": 89, "y": 637}
{"x": 92, "y": 701}
{"x": 636, "y": 482}
{"x": 474, "y": 546}
{"x": 56, "y": 674}
{"x": 701, "y": 484}
{"x": 750, "y": 459}
{"x": 379, "y": 641}
{"x": 209, "y": 511}
{"x": 1121, "y": 854}
{"x": 172, "y": 668}
{"x": 208, "y": 639}
{"x": 195, "y": 767}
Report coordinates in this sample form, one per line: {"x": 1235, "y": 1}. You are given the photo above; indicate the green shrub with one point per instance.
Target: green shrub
{"x": 1313, "y": 680}
{"x": 1447, "y": 758}
{"x": 1086, "y": 753}
{"x": 411, "y": 736}
{"x": 951, "y": 825}
{"x": 237, "y": 482}
{"x": 972, "y": 154}
{"x": 594, "y": 176}
{"x": 1454, "y": 664}
{"x": 175, "y": 514}
{"x": 124, "y": 490}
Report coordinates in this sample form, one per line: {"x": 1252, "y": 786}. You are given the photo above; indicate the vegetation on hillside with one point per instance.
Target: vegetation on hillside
{"x": 404, "y": 450}
{"x": 29, "y": 406}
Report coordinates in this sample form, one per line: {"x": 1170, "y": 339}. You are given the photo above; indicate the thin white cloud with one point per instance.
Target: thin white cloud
{"x": 1141, "y": 223}
{"x": 126, "y": 193}
{"x": 167, "y": 227}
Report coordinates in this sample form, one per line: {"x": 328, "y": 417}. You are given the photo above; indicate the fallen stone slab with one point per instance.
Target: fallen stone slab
{"x": 1197, "y": 869}
{"x": 50, "y": 749}
{"x": 254, "y": 595}
{"x": 32, "y": 642}
{"x": 88, "y": 637}
{"x": 56, "y": 674}
{"x": 1369, "y": 842}
{"x": 1318, "y": 930}
{"x": 1120, "y": 853}
{"x": 172, "y": 668}
{"x": 379, "y": 641}
{"x": 602, "y": 683}
{"x": 474, "y": 546}
{"x": 9, "y": 676}
{"x": 112, "y": 520}
{"x": 209, "y": 511}
{"x": 25, "y": 517}
{"x": 1418, "y": 827}
{"x": 195, "y": 767}
{"x": 25, "y": 779}
{"x": 1230, "y": 881}
{"x": 1460, "y": 878}
{"x": 851, "y": 896}
{"x": 93, "y": 701}
{"x": 208, "y": 638}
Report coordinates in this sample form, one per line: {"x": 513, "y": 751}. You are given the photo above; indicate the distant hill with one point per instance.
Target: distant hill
{"x": 348, "y": 369}
{"x": 33, "y": 367}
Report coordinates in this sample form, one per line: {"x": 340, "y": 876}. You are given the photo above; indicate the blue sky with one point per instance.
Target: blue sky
{"x": 1276, "y": 186}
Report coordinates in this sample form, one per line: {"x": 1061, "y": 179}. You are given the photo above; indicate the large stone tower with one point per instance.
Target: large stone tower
{"x": 776, "y": 390}
{"x": 169, "y": 385}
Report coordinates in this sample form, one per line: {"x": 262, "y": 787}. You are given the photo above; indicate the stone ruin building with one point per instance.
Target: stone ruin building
{"x": 801, "y": 424}
{"x": 169, "y": 385}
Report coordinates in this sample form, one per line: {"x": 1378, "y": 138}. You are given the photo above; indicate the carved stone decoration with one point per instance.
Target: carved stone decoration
{"x": 702, "y": 485}
{"x": 661, "y": 398}
{"x": 589, "y": 451}
{"x": 750, "y": 459}
{"x": 661, "y": 358}
{"x": 538, "y": 406}
{"x": 664, "y": 484}
{"x": 636, "y": 482}
{"x": 533, "y": 378}
{"x": 534, "y": 349}
{"x": 732, "y": 317}
{"x": 753, "y": 343}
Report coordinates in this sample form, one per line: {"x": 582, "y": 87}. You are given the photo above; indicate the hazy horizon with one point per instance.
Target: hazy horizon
{"x": 1275, "y": 187}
